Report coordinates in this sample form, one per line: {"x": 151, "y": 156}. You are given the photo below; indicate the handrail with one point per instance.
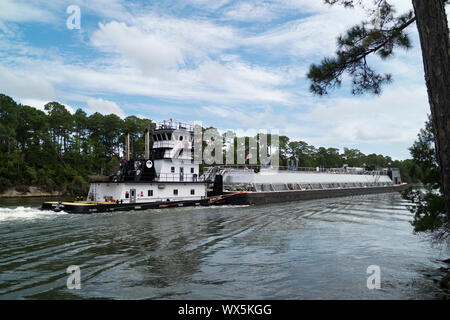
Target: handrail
{"x": 177, "y": 177}
{"x": 347, "y": 170}
{"x": 174, "y": 124}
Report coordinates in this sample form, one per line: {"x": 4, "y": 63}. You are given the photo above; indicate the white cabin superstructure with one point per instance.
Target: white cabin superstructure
{"x": 169, "y": 172}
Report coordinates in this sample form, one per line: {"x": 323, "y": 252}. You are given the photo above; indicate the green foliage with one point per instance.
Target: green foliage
{"x": 428, "y": 203}
{"x": 58, "y": 150}
{"x": 78, "y": 186}
{"x": 380, "y": 34}
{"x": 429, "y": 209}
{"x": 309, "y": 156}
{"x": 5, "y": 184}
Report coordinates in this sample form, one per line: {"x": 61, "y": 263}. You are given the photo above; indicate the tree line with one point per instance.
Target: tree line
{"x": 57, "y": 150}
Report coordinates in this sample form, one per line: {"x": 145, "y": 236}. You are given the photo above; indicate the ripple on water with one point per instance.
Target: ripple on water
{"x": 317, "y": 249}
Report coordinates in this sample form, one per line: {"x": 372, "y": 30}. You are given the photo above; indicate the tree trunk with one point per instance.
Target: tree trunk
{"x": 432, "y": 25}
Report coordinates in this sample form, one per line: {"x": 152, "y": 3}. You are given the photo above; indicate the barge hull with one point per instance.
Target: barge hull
{"x": 266, "y": 197}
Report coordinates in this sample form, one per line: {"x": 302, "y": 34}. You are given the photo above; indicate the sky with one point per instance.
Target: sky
{"x": 237, "y": 65}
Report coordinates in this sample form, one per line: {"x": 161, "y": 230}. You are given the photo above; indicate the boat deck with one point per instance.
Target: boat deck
{"x": 100, "y": 206}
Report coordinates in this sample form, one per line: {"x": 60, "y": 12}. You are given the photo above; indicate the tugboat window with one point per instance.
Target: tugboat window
{"x": 150, "y": 193}
{"x": 181, "y": 138}
{"x": 192, "y": 170}
{"x": 172, "y": 169}
{"x": 192, "y": 191}
{"x": 175, "y": 192}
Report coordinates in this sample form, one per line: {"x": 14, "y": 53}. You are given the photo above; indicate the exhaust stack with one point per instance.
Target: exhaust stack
{"x": 127, "y": 147}
{"x": 147, "y": 144}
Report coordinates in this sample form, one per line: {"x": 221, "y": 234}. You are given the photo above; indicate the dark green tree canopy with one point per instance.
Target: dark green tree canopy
{"x": 383, "y": 32}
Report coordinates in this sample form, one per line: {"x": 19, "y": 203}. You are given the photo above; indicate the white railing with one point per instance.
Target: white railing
{"x": 175, "y": 125}
{"x": 177, "y": 177}
{"x": 348, "y": 170}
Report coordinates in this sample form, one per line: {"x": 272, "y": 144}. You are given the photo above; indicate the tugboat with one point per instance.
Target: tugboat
{"x": 169, "y": 176}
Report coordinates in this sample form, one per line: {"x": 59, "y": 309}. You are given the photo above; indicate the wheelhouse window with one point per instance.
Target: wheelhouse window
{"x": 175, "y": 192}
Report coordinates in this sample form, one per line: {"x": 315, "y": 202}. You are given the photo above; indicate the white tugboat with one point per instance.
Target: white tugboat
{"x": 169, "y": 176}
{"x": 168, "y": 172}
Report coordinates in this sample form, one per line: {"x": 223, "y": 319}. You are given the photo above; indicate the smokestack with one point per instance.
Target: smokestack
{"x": 147, "y": 144}
{"x": 127, "y": 147}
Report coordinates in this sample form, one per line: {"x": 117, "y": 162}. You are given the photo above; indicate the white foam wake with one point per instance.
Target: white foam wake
{"x": 25, "y": 213}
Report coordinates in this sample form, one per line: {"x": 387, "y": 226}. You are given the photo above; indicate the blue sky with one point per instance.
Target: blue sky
{"x": 236, "y": 65}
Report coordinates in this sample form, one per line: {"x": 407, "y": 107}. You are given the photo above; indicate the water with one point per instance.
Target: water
{"x": 299, "y": 250}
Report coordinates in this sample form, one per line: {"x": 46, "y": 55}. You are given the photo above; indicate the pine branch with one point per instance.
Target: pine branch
{"x": 353, "y": 49}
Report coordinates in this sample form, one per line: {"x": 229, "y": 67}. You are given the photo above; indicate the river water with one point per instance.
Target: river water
{"x": 318, "y": 249}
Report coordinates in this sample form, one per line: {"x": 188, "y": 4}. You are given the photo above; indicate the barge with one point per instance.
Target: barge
{"x": 169, "y": 176}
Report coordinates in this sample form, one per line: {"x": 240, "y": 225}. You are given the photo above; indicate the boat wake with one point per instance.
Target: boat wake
{"x": 25, "y": 213}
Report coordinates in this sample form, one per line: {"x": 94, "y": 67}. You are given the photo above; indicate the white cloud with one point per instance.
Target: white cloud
{"x": 149, "y": 52}
{"x": 395, "y": 116}
{"x": 248, "y": 11}
{"x": 104, "y": 107}
{"x": 20, "y": 83}
{"x": 113, "y": 9}
{"x": 21, "y": 11}
{"x": 208, "y": 4}
{"x": 306, "y": 37}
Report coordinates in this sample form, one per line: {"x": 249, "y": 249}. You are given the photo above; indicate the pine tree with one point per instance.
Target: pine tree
{"x": 383, "y": 32}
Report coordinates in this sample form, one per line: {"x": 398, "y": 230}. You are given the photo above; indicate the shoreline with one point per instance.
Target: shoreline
{"x": 30, "y": 192}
